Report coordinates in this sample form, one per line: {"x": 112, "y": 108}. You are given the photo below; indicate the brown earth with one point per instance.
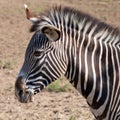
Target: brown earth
{"x": 14, "y": 37}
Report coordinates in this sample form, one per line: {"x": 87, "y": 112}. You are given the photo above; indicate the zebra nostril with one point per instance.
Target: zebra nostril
{"x": 20, "y": 93}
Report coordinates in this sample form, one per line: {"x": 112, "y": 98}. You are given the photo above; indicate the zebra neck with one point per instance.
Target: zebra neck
{"x": 94, "y": 70}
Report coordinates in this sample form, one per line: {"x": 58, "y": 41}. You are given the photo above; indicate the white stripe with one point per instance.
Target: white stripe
{"x": 86, "y": 54}
{"x": 100, "y": 93}
{"x": 74, "y": 52}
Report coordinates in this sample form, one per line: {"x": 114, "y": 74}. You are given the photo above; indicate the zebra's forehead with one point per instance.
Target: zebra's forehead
{"x": 38, "y": 40}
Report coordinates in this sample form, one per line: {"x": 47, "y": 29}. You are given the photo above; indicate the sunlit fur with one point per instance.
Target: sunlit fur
{"x": 87, "y": 53}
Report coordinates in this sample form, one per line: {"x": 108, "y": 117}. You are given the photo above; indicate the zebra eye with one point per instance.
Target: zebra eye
{"x": 37, "y": 53}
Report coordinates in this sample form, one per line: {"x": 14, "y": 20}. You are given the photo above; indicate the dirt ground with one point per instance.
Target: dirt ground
{"x": 14, "y": 37}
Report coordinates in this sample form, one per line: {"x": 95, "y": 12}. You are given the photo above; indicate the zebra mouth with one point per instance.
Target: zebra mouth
{"x": 25, "y": 96}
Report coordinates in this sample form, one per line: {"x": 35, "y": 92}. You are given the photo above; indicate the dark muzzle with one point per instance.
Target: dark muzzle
{"x": 21, "y": 92}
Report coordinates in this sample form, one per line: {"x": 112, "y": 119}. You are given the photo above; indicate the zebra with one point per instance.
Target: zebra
{"x": 84, "y": 49}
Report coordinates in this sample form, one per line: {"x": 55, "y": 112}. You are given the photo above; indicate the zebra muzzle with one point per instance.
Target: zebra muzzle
{"x": 22, "y": 93}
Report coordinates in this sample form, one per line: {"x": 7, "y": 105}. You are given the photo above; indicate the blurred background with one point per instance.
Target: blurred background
{"x": 59, "y": 101}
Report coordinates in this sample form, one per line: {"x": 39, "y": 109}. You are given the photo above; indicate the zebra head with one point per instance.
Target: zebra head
{"x": 42, "y": 63}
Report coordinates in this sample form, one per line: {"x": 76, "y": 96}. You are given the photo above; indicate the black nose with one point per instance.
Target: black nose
{"x": 21, "y": 92}
{"x": 19, "y": 86}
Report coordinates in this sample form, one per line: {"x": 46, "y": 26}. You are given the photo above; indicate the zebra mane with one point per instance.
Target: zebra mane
{"x": 73, "y": 15}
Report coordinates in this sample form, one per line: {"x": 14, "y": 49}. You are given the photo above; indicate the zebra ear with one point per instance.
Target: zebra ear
{"x": 32, "y": 17}
{"x": 52, "y": 33}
